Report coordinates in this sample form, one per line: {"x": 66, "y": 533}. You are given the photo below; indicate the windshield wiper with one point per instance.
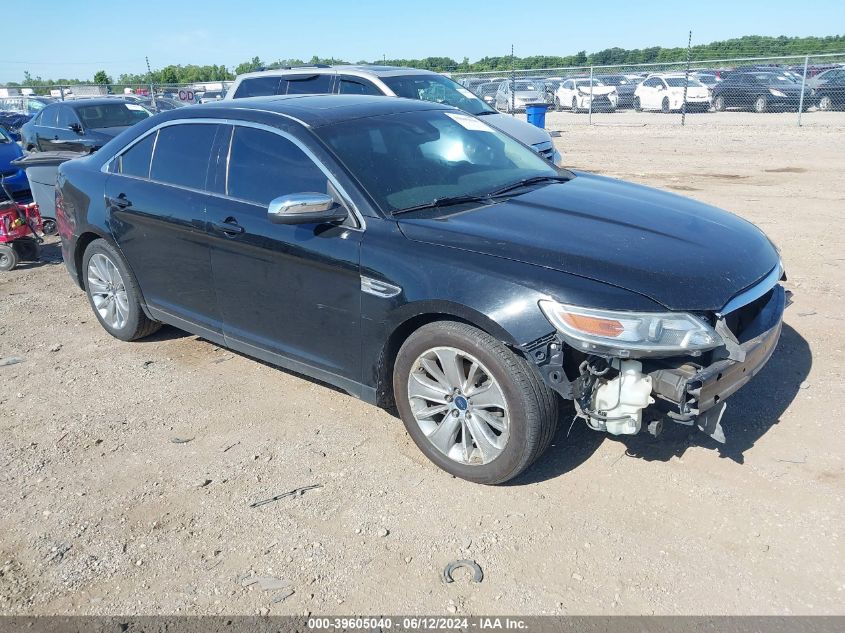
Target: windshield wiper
{"x": 442, "y": 202}
{"x": 528, "y": 181}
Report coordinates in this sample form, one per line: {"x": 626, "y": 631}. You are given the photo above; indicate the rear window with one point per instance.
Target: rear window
{"x": 182, "y": 154}
{"x": 257, "y": 87}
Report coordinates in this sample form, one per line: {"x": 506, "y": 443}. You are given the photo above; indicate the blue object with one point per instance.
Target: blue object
{"x": 13, "y": 177}
{"x": 536, "y": 113}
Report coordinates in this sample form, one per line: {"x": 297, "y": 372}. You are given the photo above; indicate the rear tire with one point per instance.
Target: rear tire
{"x": 8, "y": 258}
{"x": 49, "y": 226}
{"x": 526, "y": 422}
{"x": 114, "y": 294}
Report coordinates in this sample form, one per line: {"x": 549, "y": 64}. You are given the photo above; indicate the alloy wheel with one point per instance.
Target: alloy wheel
{"x": 108, "y": 291}
{"x": 825, "y": 103}
{"x": 459, "y": 406}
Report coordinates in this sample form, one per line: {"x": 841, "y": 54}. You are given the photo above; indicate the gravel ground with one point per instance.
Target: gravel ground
{"x": 106, "y": 512}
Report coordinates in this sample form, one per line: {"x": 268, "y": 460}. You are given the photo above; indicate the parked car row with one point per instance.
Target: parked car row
{"x": 758, "y": 88}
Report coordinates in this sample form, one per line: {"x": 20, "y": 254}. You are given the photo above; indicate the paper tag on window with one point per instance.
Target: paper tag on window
{"x": 469, "y": 122}
{"x": 467, "y": 93}
{"x": 134, "y": 106}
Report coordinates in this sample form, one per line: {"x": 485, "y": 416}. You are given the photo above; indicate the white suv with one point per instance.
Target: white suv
{"x": 666, "y": 93}
{"x": 389, "y": 81}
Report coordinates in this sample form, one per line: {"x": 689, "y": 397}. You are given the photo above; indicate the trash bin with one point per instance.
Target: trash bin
{"x": 536, "y": 113}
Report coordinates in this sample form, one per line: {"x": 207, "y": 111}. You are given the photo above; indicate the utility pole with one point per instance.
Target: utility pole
{"x": 686, "y": 80}
{"x": 150, "y": 78}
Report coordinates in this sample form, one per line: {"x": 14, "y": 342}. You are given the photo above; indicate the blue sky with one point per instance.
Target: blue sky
{"x": 65, "y": 39}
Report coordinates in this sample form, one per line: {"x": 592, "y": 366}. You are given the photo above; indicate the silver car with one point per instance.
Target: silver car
{"x": 391, "y": 81}
{"x": 513, "y": 96}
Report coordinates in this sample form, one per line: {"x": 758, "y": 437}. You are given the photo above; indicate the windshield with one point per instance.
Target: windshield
{"x": 520, "y": 86}
{"x": 438, "y": 89}
{"x": 615, "y": 81}
{"x": 487, "y": 89}
{"x": 678, "y": 82}
{"x": 111, "y": 115}
{"x": 413, "y": 158}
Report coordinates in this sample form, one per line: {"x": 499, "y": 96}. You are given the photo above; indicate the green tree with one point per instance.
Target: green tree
{"x": 247, "y": 67}
{"x": 100, "y": 77}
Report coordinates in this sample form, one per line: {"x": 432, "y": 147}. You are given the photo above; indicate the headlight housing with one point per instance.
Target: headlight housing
{"x": 777, "y": 93}
{"x": 631, "y": 334}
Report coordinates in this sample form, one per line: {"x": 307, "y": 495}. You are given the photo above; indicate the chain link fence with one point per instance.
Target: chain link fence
{"x": 807, "y": 85}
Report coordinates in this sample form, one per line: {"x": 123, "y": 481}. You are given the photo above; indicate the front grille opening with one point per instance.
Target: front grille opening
{"x": 739, "y": 320}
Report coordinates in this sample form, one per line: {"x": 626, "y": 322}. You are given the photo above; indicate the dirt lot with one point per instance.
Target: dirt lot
{"x": 102, "y": 512}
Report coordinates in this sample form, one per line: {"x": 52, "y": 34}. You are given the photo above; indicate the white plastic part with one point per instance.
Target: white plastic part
{"x": 624, "y": 397}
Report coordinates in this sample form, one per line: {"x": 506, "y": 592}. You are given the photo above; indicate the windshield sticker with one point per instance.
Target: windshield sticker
{"x": 468, "y": 122}
{"x": 467, "y": 93}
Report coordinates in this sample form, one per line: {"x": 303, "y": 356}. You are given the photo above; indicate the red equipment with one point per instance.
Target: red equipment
{"x": 19, "y": 239}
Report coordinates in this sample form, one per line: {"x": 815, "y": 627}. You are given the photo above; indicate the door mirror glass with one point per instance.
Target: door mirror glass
{"x": 76, "y": 127}
{"x": 305, "y": 208}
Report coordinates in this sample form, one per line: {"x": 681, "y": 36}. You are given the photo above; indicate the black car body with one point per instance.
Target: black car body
{"x": 625, "y": 87}
{"x": 759, "y": 91}
{"x": 412, "y": 257}
{"x": 81, "y": 125}
{"x": 831, "y": 94}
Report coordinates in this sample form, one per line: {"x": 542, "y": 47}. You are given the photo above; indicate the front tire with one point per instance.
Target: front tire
{"x": 761, "y": 104}
{"x": 664, "y": 107}
{"x": 114, "y": 294}
{"x": 558, "y": 107}
{"x": 719, "y": 104}
{"x": 472, "y": 406}
{"x": 826, "y": 103}
{"x": 638, "y": 106}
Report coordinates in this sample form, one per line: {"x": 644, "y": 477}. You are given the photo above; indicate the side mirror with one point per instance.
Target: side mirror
{"x": 76, "y": 127}
{"x": 305, "y": 208}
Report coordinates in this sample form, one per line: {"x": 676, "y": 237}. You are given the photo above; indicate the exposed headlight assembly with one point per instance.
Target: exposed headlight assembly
{"x": 631, "y": 334}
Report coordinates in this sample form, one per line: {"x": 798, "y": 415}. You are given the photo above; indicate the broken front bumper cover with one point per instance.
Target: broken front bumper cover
{"x": 696, "y": 390}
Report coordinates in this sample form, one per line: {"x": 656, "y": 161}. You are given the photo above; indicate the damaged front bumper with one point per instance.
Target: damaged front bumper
{"x": 687, "y": 390}
{"x": 696, "y": 390}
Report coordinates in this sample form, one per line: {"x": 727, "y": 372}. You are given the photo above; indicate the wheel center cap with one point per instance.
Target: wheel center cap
{"x": 461, "y": 403}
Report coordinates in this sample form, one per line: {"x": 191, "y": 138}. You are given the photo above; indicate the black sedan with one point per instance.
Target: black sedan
{"x": 759, "y": 91}
{"x": 83, "y": 125}
{"x": 831, "y": 94}
{"x": 625, "y": 87}
{"x": 409, "y": 253}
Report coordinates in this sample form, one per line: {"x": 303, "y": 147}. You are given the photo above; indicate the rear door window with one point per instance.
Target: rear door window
{"x": 356, "y": 86}
{"x": 264, "y": 166}
{"x": 66, "y": 118}
{"x": 49, "y": 116}
{"x": 313, "y": 84}
{"x": 258, "y": 87}
{"x": 136, "y": 160}
{"x": 182, "y": 154}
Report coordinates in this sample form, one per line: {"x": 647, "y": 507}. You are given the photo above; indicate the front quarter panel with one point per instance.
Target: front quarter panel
{"x": 497, "y": 295}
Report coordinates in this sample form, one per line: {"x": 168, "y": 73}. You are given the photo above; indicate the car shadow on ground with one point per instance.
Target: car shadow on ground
{"x": 750, "y": 413}
{"x": 49, "y": 254}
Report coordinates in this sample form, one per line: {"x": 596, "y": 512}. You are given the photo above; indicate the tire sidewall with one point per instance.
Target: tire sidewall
{"x": 719, "y": 104}
{"x": 8, "y": 258}
{"x": 513, "y": 454}
{"x": 825, "y": 103}
{"x": 760, "y": 104}
{"x": 101, "y": 246}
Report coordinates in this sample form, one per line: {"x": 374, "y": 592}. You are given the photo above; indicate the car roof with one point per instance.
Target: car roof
{"x": 311, "y": 110}
{"x": 370, "y": 69}
{"x": 80, "y": 102}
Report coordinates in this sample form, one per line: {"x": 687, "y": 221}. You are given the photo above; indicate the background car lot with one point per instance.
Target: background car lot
{"x": 104, "y": 513}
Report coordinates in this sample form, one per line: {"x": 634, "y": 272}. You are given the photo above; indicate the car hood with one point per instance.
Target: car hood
{"x": 597, "y": 90}
{"x": 8, "y": 153}
{"x": 517, "y": 128}
{"x": 680, "y": 253}
{"x": 529, "y": 95}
